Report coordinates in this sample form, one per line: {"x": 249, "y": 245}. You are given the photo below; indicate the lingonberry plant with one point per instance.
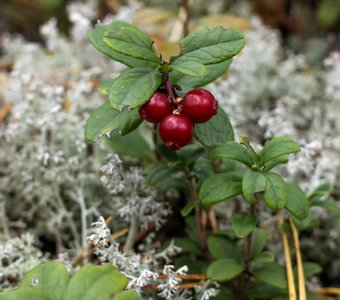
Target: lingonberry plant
{"x": 194, "y": 153}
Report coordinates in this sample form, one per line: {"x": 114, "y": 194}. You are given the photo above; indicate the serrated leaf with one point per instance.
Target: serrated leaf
{"x": 224, "y": 269}
{"x": 134, "y": 87}
{"x": 127, "y": 295}
{"x": 231, "y": 150}
{"x": 24, "y": 294}
{"x": 253, "y": 182}
{"x": 243, "y": 223}
{"x": 189, "y": 67}
{"x": 217, "y": 130}
{"x": 264, "y": 257}
{"x": 105, "y": 120}
{"x": 278, "y": 146}
{"x": 132, "y": 42}
{"x": 297, "y": 201}
{"x": 211, "y": 46}
{"x": 89, "y": 280}
{"x": 276, "y": 193}
{"x": 223, "y": 247}
{"x": 212, "y": 73}
{"x": 96, "y": 36}
{"x": 51, "y": 278}
{"x": 272, "y": 274}
{"x": 218, "y": 188}
{"x": 132, "y": 144}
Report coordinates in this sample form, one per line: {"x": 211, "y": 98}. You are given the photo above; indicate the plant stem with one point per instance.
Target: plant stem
{"x": 130, "y": 241}
{"x": 169, "y": 89}
{"x": 250, "y": 244}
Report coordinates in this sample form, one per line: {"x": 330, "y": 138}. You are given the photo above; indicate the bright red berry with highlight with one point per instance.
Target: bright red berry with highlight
{"x": 156, "y": 108}
{"x": 199, "y": 105}
{"x": 176, "y": 131}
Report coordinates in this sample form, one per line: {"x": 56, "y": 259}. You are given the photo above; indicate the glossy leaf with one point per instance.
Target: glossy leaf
{"x": 278, "y": 146}
{"x": 105, "y": 120}
{"x": 253, "y": 182}
{"x": 188, "y": 208}
{"x": 276, "y": 192}
{"x": 189, "y": 67}
{"x": 224, "y": 269}
{"x": 95, "y": 282}
{"x": 310, "y": 268}
{"x": 260, "y": 290}
{"x": 231, "y": 150}
{"x": 211, "y": 46}
{"x": 132, "y": 42}
{"x": 134, "y": 87}
{"x": 259, "y": 241}
{"x": 218, "y": 188}
{"x": 275, "y": 162}
{"x": 243, "y": 223}
{"x": 329, "y": 204}
{"x": 104, "y": 86}
{"x": 96, "y": 36}
{"x": 51, "y": 278}
{"x": 217, "y": 130}
{"x": 297, "y": 201}
{"x": 322, "y": 192}
{"x": 187, "y": 82}
{"x": 272, "y": 274}
{"x": 132, "y": 144}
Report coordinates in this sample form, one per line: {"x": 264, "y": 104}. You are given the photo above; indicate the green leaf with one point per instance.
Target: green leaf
{"x": 96, "y": 36}
{"x": 134, "y": 87}
{"x": 190, "y": 154}
{"x": 278, "y": 146}
{"x": 189, "y": 67}
{"x": 187, "y": 209}
{"x": 253, "y": 182}
{"x": 224, "y": 294}
{"x": 187, "y": 82}
{"x": 127, "y": 295}
{"x": 132, "y": 42}
{"x": 224, "y": 269}
{"x": 272, "y": 274}
{"x": 95, "y": 282}
{"x": 104, "y": 86}
{"x": 51, "y": 278}
{"x": 275, "y": 162}
{"x": 329, "y": 204}
{"x": 309, "y": 269}
{"x": 297, "y": 201}
{"x": 259, "y": 241}
{"x": 132, "y": 144}
{"x": 188, "y": 246}
{"x": 264, "y": 257}
{"x": 322, "y": 192}
{"x": 305, "y": 223}
{"x": 231, "y": 150}
{"x": 211, "y": 46}
{"x": 276, "y": 193}
{"x": 218, "y": 188}
{"x": 328, "y": 13}
{"x": 223, "y": 247}
{"x": 104, "y": 120}
{"x": 260, "y": 290}
{"x": 243, "y": 223}
{"x": 217, "y": 130}
{"x": 24, "y": 294}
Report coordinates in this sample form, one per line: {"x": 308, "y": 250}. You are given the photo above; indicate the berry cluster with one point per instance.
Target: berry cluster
{"x": 176, "y": 118}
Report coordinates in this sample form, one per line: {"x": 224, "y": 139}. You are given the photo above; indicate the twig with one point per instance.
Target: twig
{"x": 187, "y": 276}
{"x": 289, "y": 267}
{"x": 212, "y": 220}
{"x": 327, "y": 291}
{"x": 182, "y": 286}
{"x": 181, "y": 26}
{"x": 301, "y": 275}
{"x": 4, "y": 110}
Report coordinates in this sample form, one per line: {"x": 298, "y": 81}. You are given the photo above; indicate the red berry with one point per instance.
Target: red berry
{"x": 156, "y": 108}
{"x": 176, "y": 131}
{"x": 199, "y": 105}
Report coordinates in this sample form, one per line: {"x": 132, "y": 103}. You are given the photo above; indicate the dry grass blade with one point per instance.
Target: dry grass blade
{"x": 289, "y": 267}
{"x": 4, "y": 110}
{"x": 301, "y": 275}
